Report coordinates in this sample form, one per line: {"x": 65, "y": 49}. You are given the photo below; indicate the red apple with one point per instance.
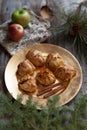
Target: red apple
{"x": 15, "y": 32}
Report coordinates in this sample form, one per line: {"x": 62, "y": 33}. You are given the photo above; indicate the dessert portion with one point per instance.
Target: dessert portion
{"x": 24, "y": 72}
{"x": 25, "y": 67}
{"x": 64, "y": 72}
{"x": 27, "y": 86}
{"x": 36, "y": 57}
{"x": 44, "y": 74}
{"x": 53, "y": 61}
{"x": 45, "y": 77}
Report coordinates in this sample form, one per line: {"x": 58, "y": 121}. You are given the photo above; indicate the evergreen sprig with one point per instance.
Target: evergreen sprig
{"x": 75, "y": 28}
{"x": 15, "y": 116}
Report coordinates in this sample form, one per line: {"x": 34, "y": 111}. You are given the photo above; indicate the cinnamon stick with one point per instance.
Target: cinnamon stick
{"x": 49, "y": 87}
{"x": 44, "y": 91}
{"x": 59, "y": 89}
{"x": 47, "y": 90}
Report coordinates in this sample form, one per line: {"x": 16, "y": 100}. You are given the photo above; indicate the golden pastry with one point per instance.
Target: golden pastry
{"x": 53, "y": 61}
{"x": 27, "y": 86}
{"x": 35, "y": 57}
{"x": 45, "y": 77}
{"x": 25, "y": 67}
{"x": 65, "y": 72}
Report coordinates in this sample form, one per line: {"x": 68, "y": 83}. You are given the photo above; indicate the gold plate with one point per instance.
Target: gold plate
{"x": 70, "y": 92}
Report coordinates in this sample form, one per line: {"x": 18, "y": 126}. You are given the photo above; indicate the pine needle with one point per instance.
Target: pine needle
{"x": 74, "y": 27}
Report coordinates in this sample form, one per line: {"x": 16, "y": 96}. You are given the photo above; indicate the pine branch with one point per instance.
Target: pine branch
{"x": 74, "y": 28}
{"x": 13, "y": 115}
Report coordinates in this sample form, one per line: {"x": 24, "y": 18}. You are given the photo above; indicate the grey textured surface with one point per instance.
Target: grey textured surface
{"x": 6, "y": 9}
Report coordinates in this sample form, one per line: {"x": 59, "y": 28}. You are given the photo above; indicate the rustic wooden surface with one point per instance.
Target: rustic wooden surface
{"x": 6, "y": 9}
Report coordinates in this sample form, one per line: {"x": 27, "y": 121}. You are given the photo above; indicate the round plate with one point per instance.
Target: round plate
{"x": 66, "y": 96}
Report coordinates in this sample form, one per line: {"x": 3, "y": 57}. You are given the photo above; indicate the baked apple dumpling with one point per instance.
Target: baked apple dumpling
{"x": 45, "y": 77}
{"x": 36, "y": 57}
{"x": 27, "y": 86}
{"x": 53, "y": 61}
{"x": 65, "y": 72}
{"x": 25, "y": 67}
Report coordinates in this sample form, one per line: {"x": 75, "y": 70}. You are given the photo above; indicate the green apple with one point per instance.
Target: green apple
{"x": 21, "y": 17}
